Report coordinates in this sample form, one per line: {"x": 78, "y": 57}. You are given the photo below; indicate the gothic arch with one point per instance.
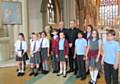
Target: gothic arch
{"x": 44, "y": 11}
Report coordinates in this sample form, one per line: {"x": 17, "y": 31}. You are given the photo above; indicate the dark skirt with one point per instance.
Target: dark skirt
{"x": 23, "y": 58}
{"x": 36, "y": 58}
{"x": 61, "y": 55}
{"x": 92, "y": 55}
{"x": 44, "y": 54}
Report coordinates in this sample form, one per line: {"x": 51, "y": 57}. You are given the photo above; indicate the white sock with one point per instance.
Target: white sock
{"x": 22, "y": 71}
{"x": 60, "y": 71}
{"x": 64, "y": 71}
{"x": 91, "y": 74}
{"x": 95, "y": 75}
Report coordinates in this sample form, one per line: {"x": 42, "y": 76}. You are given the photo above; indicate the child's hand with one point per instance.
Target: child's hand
{"x": 97, "y": 60}
{"x": 48, "y": 55}
{"x": 66, "y": 56}
{"x": 115, "y": 66}
{"x": 56, "y": 56}
{"x": 85, "y": 58}
{"x": 70, "y": 45}
{"x": 74, "y": 56}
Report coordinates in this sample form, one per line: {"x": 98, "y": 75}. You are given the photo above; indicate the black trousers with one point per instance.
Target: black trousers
{"x": 71, "y": 60}
{"x": 81, "y": 66}
{"x": 111, "y": 75}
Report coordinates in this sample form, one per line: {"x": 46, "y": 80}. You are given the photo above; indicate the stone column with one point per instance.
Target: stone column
{"x": 82, "y": 10}
{"x": 68, "y": 11}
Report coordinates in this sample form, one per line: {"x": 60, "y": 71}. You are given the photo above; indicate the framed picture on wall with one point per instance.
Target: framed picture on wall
{"x": 11, "y": 13}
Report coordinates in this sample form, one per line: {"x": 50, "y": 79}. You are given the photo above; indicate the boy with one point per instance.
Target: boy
{"x": 111, "y": 49}
{"x": 80, "y": 50}
{"x": 54, "y": 42}
{"x": 35, "y": 58}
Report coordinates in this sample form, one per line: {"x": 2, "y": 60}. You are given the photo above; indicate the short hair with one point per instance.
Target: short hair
{"x": 22, "y": 35}
{"x": 33, "y": 33}
{"x": 111, "y": 31}
{"x": 81, "y": 32}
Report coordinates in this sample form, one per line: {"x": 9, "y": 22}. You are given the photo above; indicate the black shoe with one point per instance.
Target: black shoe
{"x": 46, "y": 72}
{"x": 35, "y": 74}
{"x": 71, "y": 70}
{"x": 54, "y": 72}
{"x": 83, "y": 78}
{"x": 75, "y": 73}
{"x": 90, "y": 82}
{"x": 65, "y": 75}
{"x": 77, "y": 76}
{"x": 98, "y": 77}
{"x": 22, "y": 74}
{"x": 18, "y": 74}
{"x": 59, "y": 74}
{"x": 87, "y": 73}
{"x": 32, "y": 73}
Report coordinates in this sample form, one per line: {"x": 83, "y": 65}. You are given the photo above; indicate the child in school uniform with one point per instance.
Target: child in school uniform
{"x": 110, "y": 60}
{"x": 54, "y": 42}
{"x": 63, "y": 54}
{"x": 44, "y": 52}
{"x": 35, "y": 57}
{"x": 93, "y": 55}
{"x": 80, "y": 51}
{"x": 20, "y": 50}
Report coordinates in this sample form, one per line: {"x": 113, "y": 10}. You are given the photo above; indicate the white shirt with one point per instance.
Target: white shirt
{"x": 18, "y": 44}
{"x": 36, "y": 47}
{"x": 45, "y": 43}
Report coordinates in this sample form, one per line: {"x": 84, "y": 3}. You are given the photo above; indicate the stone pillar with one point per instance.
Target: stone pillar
{"x": 82, "y": 10}
{"x": 68, "y": 11}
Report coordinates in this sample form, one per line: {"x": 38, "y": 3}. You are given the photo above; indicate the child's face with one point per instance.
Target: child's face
{"x": 43, "y": 35}
{"x": 39, "y": 35}
{"x": 89, "y": 29}
{"x": 80, "y": 35}
{"x": 34, "y": 37}
{"x": 20, "y": 37}
{"x": 110, "y": 37}
{"x": 94, "y": 34}
{"x": 61, "y": 35}
{"x": 54, "y": 33}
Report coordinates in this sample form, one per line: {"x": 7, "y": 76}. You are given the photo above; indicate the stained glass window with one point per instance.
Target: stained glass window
{"x": 51, "y": 12}
{"x": 108, "y": 12}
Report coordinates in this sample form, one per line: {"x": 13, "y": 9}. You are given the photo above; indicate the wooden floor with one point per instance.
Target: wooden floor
{"x": 8, "y": 76}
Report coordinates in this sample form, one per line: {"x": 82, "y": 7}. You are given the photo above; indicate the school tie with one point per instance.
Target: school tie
{"x": 41, "y": 43}
{"x": 21, "y": 45}
{"x": 34, "y": 46}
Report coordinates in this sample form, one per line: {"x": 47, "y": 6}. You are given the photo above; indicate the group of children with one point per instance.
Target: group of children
{"x": 88, "y": 53}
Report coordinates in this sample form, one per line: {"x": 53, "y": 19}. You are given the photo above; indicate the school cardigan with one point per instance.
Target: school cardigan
{"x": 66, "y": 47}
{"x": 54, "y": 46}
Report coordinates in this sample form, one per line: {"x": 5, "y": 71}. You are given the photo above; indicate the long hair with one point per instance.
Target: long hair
{"x": 97, "y": 34}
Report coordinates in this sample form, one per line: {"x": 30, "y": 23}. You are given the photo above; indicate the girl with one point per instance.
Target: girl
{"x": 93, "y": 55}
{"x": 44, "y": 52}
{"x": 20, "y": 50}
{"x": 35, "y": 57}
{"x": 54, "y": 47}
{"x": 63, "y": 54}
{"x": 88, "y": 32}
